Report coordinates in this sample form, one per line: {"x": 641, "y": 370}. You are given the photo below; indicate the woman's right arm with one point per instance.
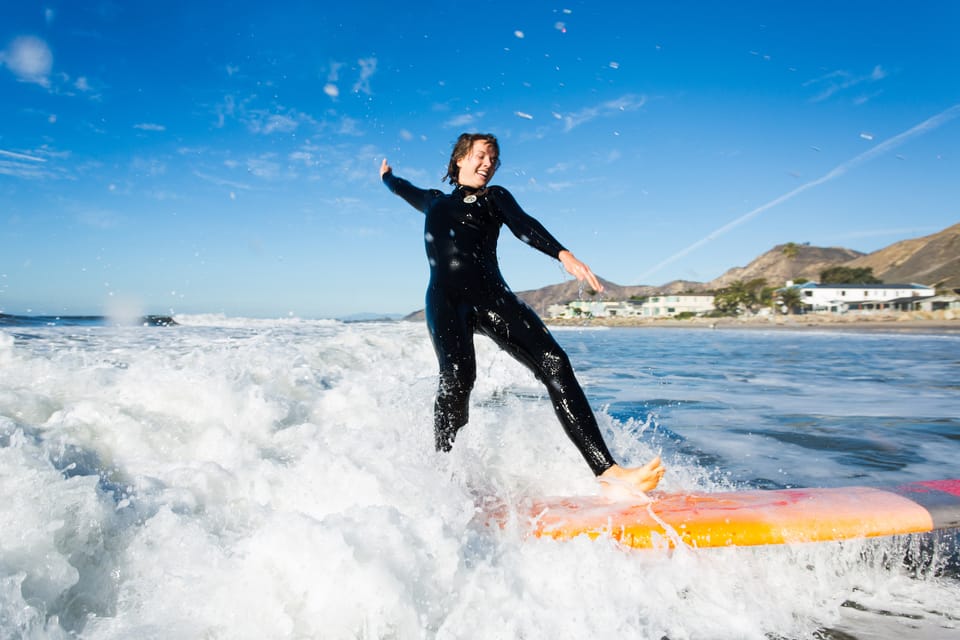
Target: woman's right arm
{"x": 416, "y": 197}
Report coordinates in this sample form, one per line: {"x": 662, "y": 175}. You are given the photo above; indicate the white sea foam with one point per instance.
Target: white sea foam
{"x": 232, "y": 478}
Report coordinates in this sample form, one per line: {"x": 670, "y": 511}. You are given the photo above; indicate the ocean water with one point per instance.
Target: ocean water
{"x": 231, "y": 478}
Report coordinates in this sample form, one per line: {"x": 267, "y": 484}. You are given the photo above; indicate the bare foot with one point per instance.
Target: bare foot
{"x": 634, "y": 479}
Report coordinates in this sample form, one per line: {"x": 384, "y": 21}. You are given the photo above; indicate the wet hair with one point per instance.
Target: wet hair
{"x": 462, "y": 147}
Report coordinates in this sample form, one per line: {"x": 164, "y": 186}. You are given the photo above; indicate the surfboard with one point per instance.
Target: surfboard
{"x": 744, "y": 518}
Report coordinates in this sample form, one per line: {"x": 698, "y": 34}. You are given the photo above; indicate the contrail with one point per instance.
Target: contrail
{"x": 836, "y": 172}
{"x": 20, "y": 156}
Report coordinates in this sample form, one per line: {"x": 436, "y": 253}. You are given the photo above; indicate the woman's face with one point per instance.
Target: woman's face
{"x": 478, "y": 166}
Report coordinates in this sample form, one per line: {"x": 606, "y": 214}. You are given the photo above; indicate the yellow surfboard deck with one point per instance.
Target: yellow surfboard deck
{"x": 742, "y": 518}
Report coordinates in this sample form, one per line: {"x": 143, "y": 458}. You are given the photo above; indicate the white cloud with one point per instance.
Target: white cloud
{"x": 560, "y": 167}
{"x": 838, "y": 81}
{"x": 368, "y": 66}
{"x": 149, "y": 166}
{"x": 265, "y": 167}
{"x": 303, "y": 156}
{"x": 162, "y": 195}
{"x": 279, "y": 123}
{"x": 865, "y": 98}
{"x": 349, "y": 127}
{"x": 334, "y": 74}
{"x": 226, "y": 109}
{"x": 265, "y": 122}
{"x": 20, "y": 156}
{"x": 149, "y": 126}
{"x": 30, "y": 59}
{"x": 460, "y": 121}
{"x": 878, "y": 73}
{"x": 34, "y": 164}
{"x": 22, "y": 170}
{"x": 609, "y": 108}
{"x": 221, "y": 182}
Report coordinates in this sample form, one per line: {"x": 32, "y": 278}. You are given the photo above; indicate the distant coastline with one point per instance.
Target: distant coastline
{"x": 906, "y": 322}
{"x": 10, "y": 320}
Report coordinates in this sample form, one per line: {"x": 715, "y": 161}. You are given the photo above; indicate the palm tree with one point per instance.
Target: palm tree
{"x": 740, "y": 296}
{"x": 789, "y": 299}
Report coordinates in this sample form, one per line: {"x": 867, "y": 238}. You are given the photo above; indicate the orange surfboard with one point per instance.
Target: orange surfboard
{"x": 742, "y": 518}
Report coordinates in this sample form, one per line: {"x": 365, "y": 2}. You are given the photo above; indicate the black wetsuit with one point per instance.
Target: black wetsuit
{"x": 467, "y": 294}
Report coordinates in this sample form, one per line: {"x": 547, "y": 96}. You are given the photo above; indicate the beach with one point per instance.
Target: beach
{"x": 902, "y": 322}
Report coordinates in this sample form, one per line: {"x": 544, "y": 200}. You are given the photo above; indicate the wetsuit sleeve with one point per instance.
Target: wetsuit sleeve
{"x": 416, "y": 197}
{"x": 523, "y": 225}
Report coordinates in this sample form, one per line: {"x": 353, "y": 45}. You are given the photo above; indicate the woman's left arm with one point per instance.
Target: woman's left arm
{"x": 529, "y": 230}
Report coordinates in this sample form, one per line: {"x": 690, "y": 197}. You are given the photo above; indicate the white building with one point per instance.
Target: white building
{"x": 652, "y": 307}
{"x": 669, "y": 306}
{"x": 938, "y": 303}
{"x": 840, "y": 298}
{"x": 592, "y": 309}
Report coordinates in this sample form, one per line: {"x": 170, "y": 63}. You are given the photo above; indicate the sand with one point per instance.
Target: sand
{"x": 903, "y": 322}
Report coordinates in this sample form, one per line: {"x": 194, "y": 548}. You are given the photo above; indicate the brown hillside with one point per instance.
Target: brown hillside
{"x": 569, "y": 290}
{"x": 932, "y": 260}
{"x": 787, "y": 262}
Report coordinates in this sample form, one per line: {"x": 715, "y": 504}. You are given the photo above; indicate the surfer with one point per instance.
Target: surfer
{"x": 467, "y": 295}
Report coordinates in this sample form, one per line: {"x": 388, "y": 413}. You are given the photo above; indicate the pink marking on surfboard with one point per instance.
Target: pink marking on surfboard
{"x": 947, "y": 486}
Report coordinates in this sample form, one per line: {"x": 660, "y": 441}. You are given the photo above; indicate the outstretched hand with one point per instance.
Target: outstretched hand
{"x": 577, "y": 269}
{"x": 385, "y": 168}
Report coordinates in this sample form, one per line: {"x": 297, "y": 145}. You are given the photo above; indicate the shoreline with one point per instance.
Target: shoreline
{"x": 940, "y": 322}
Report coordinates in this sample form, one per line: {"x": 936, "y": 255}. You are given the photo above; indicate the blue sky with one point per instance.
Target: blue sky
{"x": 185, "y": 157}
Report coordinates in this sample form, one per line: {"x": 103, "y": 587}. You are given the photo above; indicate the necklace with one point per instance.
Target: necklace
{"x": 470, "y": 198}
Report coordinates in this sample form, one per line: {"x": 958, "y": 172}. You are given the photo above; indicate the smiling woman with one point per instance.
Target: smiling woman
{"x": 475, "y": 158}
{"x": 467, "y": 294}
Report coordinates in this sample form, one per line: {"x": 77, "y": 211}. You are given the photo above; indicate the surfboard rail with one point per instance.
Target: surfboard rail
{"x": 747, "y": 518}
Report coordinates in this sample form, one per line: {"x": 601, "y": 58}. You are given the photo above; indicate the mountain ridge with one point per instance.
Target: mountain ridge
{"x": 932, "y": 260}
